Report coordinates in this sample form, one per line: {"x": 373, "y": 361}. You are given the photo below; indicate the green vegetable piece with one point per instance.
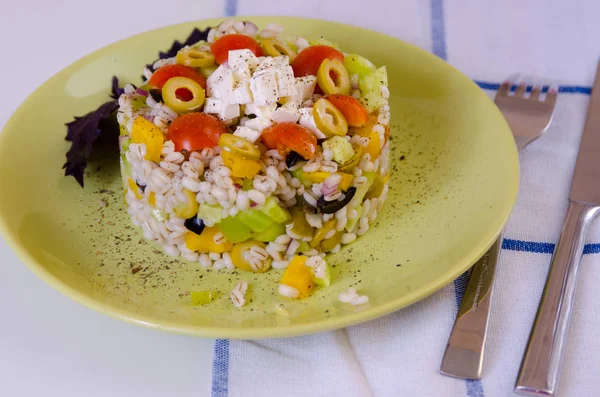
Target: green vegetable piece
{"x": 256, "y": 220}
{"x": 303, "y": 247}
{"x": 300, "y": 225}
{"x": 211, "y": 213}
{"x": 139, "y": 102}
{"x": 352, "y": 222}
{"x": 372, "y": 82}
{"x": 322, "y": 277}
{"x": 203, "y": 297}
{"x": 274, "y": 231}
{"x": 341, "y": 148}
{"x": 247, "y": 184}
{"x": 234, "y": 229}
{"x": 275, "y": 212}
{"x": 329, "y": 244}
{"x": 372, "y": 101}
{"x": 356, "y": 64}
{"x": 362, "y": 190}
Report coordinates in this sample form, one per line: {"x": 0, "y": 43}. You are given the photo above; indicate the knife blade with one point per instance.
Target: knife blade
{"x": 540, "y": 368}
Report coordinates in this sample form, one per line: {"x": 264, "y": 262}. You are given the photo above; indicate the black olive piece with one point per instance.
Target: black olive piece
{"x": 194, "y": 225}
{"x": 251, "y": 116}
{"x": 331, "y": 207}
{"x": 156, "y": 94}
{"x": 142, "y": 187}
{"x": 306, "y": 207}
{"x": 292, "y": 158}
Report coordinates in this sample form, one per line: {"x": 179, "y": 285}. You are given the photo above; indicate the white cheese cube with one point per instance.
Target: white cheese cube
{"x": 229, "y": 112}
{"x": 220, "y": 83}
{"x": 213, "y": 105}
{"x": 285, "y": 81}
{"x": 264, "y": 88}
{"x": 258, "y": 124}
{"x": 307, "y": 120}
{"x": 304, "y": 88}
{"x": 265, "y": 111}
{"x": 288, "y": 113}
{"x": 242, "y": 93}
{"x": 242, "y": 73}
{"x": 238, "y": 59}
{"x": 269, "y": 63}
{"x": 247, "y": 133}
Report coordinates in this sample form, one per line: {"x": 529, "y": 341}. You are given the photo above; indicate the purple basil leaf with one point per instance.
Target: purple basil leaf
{"x": 116, "y": 91}
{"x": 82, "y": 132}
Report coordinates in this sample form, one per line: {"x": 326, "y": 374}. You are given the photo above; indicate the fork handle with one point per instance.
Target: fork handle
{"x": 464, "y": 353}
{"x": 541, "y": 363}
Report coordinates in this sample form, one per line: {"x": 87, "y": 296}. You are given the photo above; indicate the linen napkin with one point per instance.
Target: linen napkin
{"x": 400, "y": 355}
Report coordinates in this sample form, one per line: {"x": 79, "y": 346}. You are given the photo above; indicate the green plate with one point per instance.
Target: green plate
{"x": 454, "y": 182}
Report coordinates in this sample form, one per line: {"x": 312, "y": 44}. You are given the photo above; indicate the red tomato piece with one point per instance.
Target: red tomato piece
{"x": 354, "y": 112}
{"x": 224, "y": 44}
{"x": 286, "y": 137}
{"x": 195, "y": 131}
{"x": 161, "y": 75}
{"x": 309, "y": 59}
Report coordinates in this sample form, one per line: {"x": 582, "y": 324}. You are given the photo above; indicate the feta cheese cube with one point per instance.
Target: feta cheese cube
{"x": 213, "y": 105}
{"x": 238, "y": 59}
{"x": 229, "y": 112}
{"x": 242, "y": 73}
{"x": 264, "y": 88}
{"x": 258, "y": 124}
{"x": 265, "y": 111}
{"x": 304, "y": 88}
{"x": 285, "y": 81}
{"x": 247, "y": 133}
{"x": 242, "y": 93}
{"x": 288, "y": 113}
{"x": 307, "y": 120}
{"x": 269, "y": 63}
{"x": 220, "y": 82}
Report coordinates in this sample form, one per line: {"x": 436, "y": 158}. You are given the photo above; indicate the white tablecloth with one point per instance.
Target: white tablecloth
{"x": 70, "y": 350}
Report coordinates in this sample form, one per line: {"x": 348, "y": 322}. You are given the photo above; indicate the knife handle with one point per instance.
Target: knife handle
{"x": 541, "y": 363}
{"x": 463, "y": 357}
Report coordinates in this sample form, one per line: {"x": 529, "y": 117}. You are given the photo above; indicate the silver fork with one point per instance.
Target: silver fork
{"x": 529, "y": 116}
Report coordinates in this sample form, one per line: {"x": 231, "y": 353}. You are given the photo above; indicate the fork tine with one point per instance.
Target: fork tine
{"x": 551, "y": 95}
{"x": 504, "y": 88}
{"x": 520, "y": 92}
{"x": 535, "y": 92}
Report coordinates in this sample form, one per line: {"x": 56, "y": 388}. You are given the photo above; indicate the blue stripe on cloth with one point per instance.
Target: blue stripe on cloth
{"x": 230, "y": 8}
{"x": 220, "y": 372}
{"x": 542, "y": 248}
{"x": 567, "y": 89}
{"x": 438, "y": 36}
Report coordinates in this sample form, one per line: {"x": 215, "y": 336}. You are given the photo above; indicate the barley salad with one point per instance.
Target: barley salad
{"x": 257, "y": 150}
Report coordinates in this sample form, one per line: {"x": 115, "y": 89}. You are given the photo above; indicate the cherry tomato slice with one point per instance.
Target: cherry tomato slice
{"x": 161, "y": 75}
{"x": 286, "y": 137}
{"x": 354, "y": 112}
{"x": 195, "y": 131}
{"x": 307, "y": 62}
{"x": 224, "y": 44}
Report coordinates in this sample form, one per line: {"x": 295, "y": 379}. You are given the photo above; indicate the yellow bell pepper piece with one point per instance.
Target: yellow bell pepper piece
{"x": 240, "y": 166}
{"x": 134, "y": 188}
{"x": 366, "y": 129}
{"x": 147, "y": 133}
{"x": 374, "y": 146}
{"x": 188, "y": 209}
{"x": 299, "y": 276}
{"x": 152, "y": 199}
{"x": 322, "y": 232}
{"x": 320, "y": 176}
{"x": 346, "y": 181}
{"x": 205, "y": 242}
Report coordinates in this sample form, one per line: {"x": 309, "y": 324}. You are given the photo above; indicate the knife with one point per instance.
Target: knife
{"x": 540, "y": 367}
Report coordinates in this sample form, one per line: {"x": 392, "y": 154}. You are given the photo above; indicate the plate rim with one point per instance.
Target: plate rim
{"x": 279, "y": 330}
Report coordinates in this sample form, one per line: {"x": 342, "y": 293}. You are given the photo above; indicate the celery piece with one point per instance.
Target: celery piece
{"x": 352, "y": 222}
{"x": 256, "y": 220}
{"x": 356, "y": 64}
{"x": 139, "y": 102}
{"x": 234, "y": 229}
{"x": 372, "y": 101}
{"x": 203, "y": 297}
{"x": 274, "y": 231}
{"x": 303, "y": 247}
{"x": 372, "y": 82}
{"x": 247, "y": 184}
{"x": 362, "y": 190}
{"x": 342, "y": 149}
{"x": 211, "y": 213}
{"x": 275, "y": 212}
